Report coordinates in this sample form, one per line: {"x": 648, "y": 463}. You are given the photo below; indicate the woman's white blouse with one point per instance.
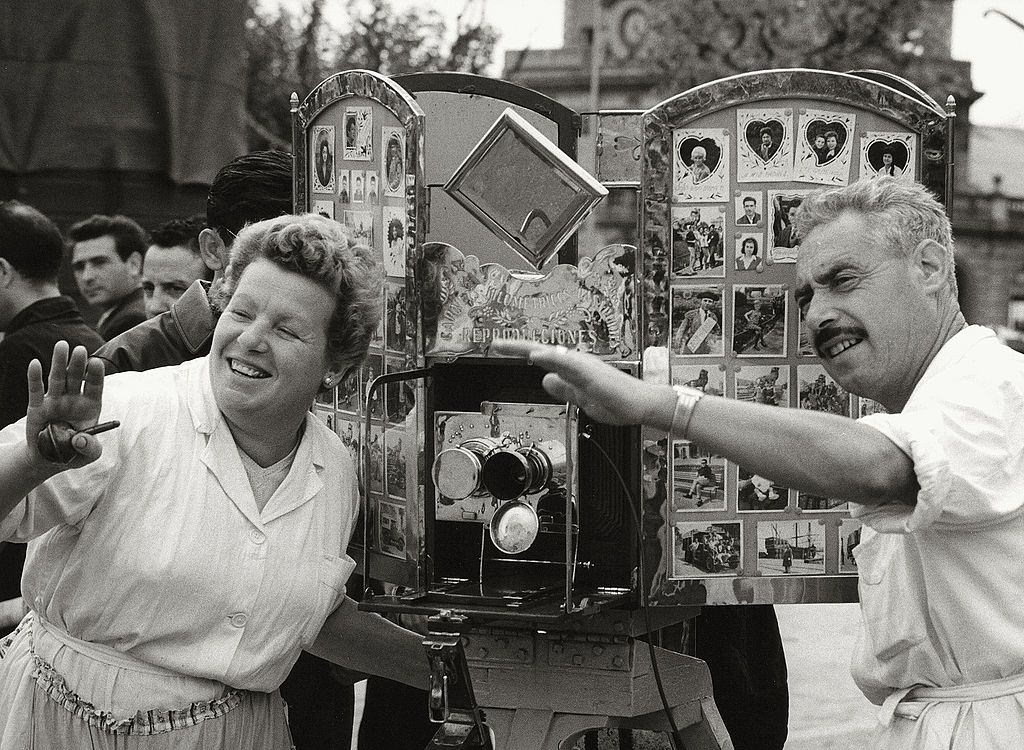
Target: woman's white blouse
{"x": 157, "y": 549}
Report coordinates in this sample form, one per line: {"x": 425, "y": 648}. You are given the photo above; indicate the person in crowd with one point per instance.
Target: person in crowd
{"x": 250, "y": 188}
{"x": 938, "y": 481}
{"x": 106, "y": 257}
{"x": 173, "y": 263}
{"x": 34, "y": 316}
{"x": 220, "y": 501}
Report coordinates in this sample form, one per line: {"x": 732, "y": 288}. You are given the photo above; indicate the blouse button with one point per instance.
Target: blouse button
{"x": 256, "y": 537}
{"x": 238, "y": 619}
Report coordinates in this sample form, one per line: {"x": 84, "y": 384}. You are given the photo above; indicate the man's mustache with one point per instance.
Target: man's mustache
{"x": 826, "y": 334}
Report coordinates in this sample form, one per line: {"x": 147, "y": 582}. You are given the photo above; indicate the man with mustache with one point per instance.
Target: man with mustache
{"x": 938, "y": 481}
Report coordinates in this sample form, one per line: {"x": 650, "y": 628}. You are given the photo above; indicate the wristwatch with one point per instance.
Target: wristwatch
{"x": 686, "y": 402}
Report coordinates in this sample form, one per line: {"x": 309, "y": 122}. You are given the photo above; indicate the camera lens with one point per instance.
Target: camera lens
{"x": 457, "y": 471}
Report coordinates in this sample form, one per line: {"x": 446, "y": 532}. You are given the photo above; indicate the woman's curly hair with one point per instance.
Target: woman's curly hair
{"x": 320, "y": 249}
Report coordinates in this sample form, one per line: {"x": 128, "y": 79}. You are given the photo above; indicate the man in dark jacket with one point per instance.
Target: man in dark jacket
{"x": 33, "y": 316}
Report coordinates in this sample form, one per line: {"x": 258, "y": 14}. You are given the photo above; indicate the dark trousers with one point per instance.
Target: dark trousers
{"x": 319, "y": 707}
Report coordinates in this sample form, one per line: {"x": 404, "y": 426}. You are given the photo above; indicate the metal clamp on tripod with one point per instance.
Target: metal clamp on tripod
{"x": 452, "y": 702}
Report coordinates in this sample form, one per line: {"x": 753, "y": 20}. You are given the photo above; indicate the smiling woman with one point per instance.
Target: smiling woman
{"x": 220, "y": 501}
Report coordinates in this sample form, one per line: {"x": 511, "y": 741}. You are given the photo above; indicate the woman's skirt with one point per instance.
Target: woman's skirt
{"x": 58, "y": 692}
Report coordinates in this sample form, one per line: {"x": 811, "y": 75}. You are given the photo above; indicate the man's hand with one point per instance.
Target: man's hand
{"x": 73, "y": 394}
{"x": 604, "y": 393}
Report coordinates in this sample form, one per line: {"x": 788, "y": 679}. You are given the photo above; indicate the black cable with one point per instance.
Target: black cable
{"x": 645, "y": 602}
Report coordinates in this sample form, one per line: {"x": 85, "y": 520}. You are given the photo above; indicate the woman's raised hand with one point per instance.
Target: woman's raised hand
{"x": 73, "y": 395}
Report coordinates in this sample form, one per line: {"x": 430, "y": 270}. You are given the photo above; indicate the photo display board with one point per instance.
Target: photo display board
{"x": 358, "y": 141}
{"x": 724, "y": 166}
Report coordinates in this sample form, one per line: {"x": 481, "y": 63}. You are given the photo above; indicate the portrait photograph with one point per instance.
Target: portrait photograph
{"x": 790, "y": 548}
{"x": 348, "y": 430}
{"x": 755, "y": 493}
{"x": 764, "y": 149}
{"x": 782, "y": 233}
{"x": 396, "y": 325}
{"x": 709, "y": 379}
{"x": 391, "y": 525}
{"x": 375, "y": 447}
{"x": 358, "y": 133}
{"x": 700, "y": 165}
{"x": 344, "y": 187}
{"x": 849, "y": 538}
{"x": 401, "y": 396}
{"x": 395, "y": 240}
{"x": 868, "y": 406}
{"x": 824, "y": 147}
{"x": 748, "y": 253}
{"x": 392, "y": 166}
{"x": 324, "y": 208}
{"x": 888, "y": 155}
{"x": 396, "y": 444}
{"x": 372, "y": 187}
{"x": 702, "y": 550}
{"x": 762, "y": 384}
{"x": 322, "y": 159}
{"x": 817, "y": 391}
{"x": 805, "y": 344}
{"x": 697, "y": 321}
{"x": 760, "y": 320}
{"x": 373, "y": 367}
{"x": 698, "y": 478}
{"x": 358, "y": 186}
{"x": 749, "y": 208}
{"x": 697, "y": 241}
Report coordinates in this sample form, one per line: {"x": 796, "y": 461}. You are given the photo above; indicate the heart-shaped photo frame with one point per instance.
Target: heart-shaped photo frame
{"x": 898, "y": 157}
{"x": 764, "y": 138}
{"x": 827, "y": 138}
{"x": 712, "y": 157}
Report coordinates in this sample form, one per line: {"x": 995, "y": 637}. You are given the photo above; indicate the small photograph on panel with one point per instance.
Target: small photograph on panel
{"x": 348, "y": 393}
{"x": 824, "y": 147}
{"x": 700, "y": 165}
{"x": 849, "y": 538}
{"x": 325, "y": 397}
{"x": 806, "y": 342}
{"x": 392, "y": 167}
{"x": 395, "y": 445}
{"x": 757, "y": 493}
{"x": 818, "y": 391}
{"x": 344, "y": 194}
{"x": 790, "y": 548}
{"x": 372, "y": 191}
{"x": 401, "y": 395}
{"x": 697, "y": 233}
{"x": 782, "y": 233}
{"x": 749, "y": 208}
{"x": 375, "y": 446}
{"x": 709, "y": 379}
{"x": 391, "y": 523}
{"x": 887, "y": 155}
{"x": 759, "y": 320}
{"x": 348, "y": 431}
{"x": 358, "y": 133}
{"x": 698, "y": 478}
{"x": 748, "y": 252}
{"x": 374, "y": 367}
{"x": 360, "y": 223}
{"x": 358, "y": 189}
{"x": 324, "y": 208}
{"x": 323, "y": 159}
{"x": 807, "y": 501}
{"x": 868, "y": 406}
{"x": 393, "y": 226}
{"x": 396, "y": 323}
{"x": 327, "y": 416}
{"x": 764, "y": 151}
{"x": 697, "y": 321}
{"x": 763, "y": 384}
{"x": 700, "y": 549}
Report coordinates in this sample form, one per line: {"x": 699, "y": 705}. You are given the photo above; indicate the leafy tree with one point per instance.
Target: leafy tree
{"x": 702, "y": 40}
{"x": 295, "y": 50}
